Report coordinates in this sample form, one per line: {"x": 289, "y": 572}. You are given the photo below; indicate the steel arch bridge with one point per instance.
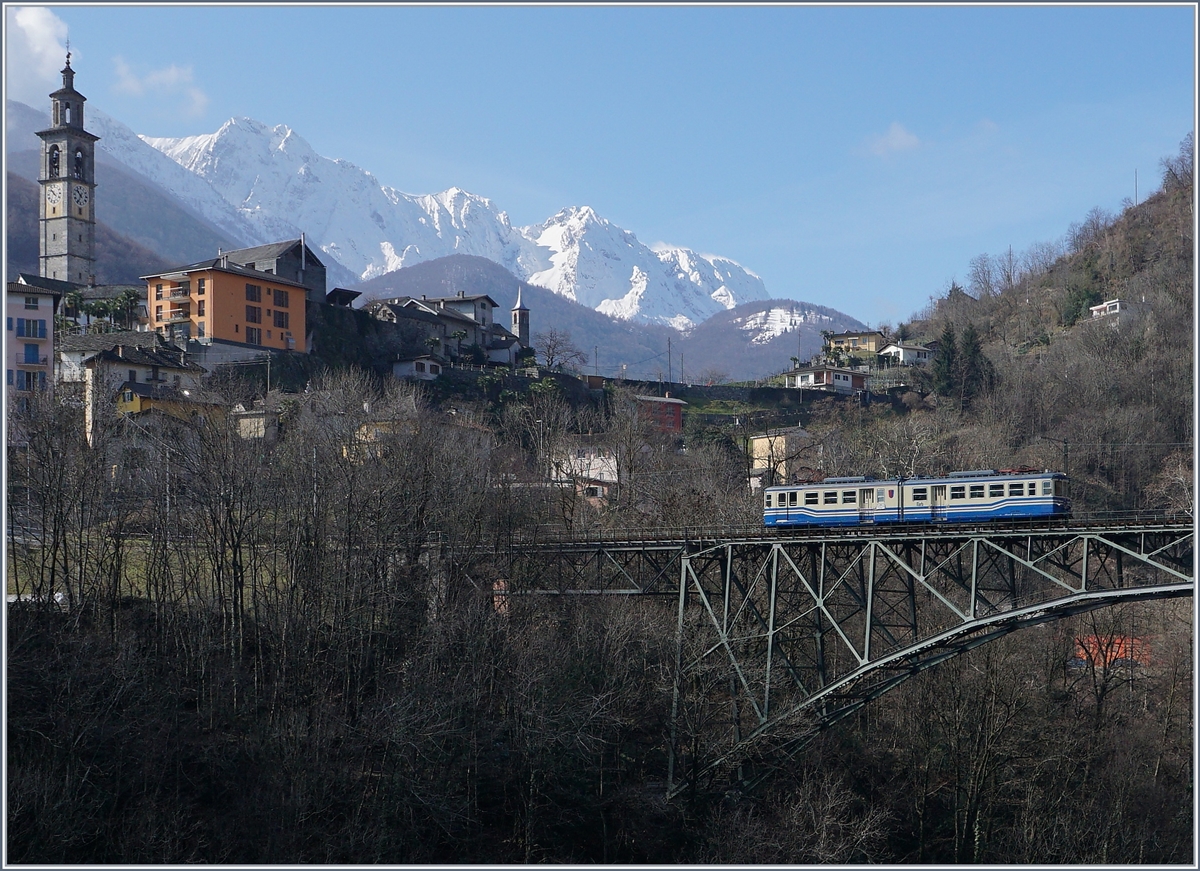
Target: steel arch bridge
{"x": 792, "y": 632}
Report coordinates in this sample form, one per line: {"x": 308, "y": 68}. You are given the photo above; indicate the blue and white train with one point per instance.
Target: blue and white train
{"x": 959, "y": 497}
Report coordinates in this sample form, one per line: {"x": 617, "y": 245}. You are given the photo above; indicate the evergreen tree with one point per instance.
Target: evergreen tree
{"x": 975, "y": 373}
{"x": 945, "y": 363}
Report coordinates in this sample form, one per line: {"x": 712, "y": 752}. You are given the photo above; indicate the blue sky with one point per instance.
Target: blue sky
{"x": 852, "y": 156}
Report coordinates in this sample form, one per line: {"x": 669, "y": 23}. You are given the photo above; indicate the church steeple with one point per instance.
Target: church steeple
{"x": 520, "y": 320}
{"x": 67, "y": 211}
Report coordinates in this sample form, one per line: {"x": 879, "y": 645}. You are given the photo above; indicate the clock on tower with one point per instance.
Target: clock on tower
{"x": 67, "y": 208}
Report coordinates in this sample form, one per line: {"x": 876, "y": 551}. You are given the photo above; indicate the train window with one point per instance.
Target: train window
{"x": 1047, "y": 488}
{"x": 849, "y": 497}
{"x": 831, "y": 497}
{"x": 812, "y": 497}
{"x": 995, "y": 489}
{"x": 920, "y": 494}
{"x": 1016, "y": 489}
{"x": 959, "y": 492}
{"x": 1060, "y": 487}
{"x": 791, "y": 497}
{"x": 768, "y": 500}
{"x": 976, "y": 491}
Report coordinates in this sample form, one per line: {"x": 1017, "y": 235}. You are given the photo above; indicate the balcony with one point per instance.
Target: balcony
{"x": 180, "y": 293}
{"x": 22, "y": 360}
{"x": 178, "y": 316}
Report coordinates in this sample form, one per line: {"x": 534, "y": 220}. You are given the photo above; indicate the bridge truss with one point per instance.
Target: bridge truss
{"x": 789, "y": 633}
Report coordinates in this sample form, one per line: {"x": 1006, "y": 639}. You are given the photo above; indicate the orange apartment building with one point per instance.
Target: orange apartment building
{"x": 217, "y": 300}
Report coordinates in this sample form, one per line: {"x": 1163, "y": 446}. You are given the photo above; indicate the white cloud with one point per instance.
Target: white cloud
{"x": 895, "y": 139}
{"x": 172, "y": 81}
{"x": 34, "y": 52}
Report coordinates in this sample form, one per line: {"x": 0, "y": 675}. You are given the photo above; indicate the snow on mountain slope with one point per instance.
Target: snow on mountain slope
{"x": 277, "y": 185}
{"x": 768, "y": 324}
{"x": 280, "y": 185}
{"x": 597, "y": 264}
{"x": 123, "y": 145}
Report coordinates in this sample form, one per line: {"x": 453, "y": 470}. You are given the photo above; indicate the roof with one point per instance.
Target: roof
{"x": 857, "y": 333}
{"x": 670, "y": 399}
{"x": 46, "y": 285}
{"x": 220, "y": 264}
{"x": 159, "y": 357}
{"x": 904, "y": 346}
{"x": 400, "y": 311}
{"x": 108, "y": 341}
{"x": 272, "y": 251}
{"x": 458, "y": 298}
{"x": 520, "y": 306}
{"x": 173, "y": 394}
{"x": 342, "y": 296}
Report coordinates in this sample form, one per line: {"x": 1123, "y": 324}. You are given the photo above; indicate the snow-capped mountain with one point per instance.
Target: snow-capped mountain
{"x": 279, "y": 186}
{"x": 606, "y": 268}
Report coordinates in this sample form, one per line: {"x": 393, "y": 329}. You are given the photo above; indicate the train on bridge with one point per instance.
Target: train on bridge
{"x": 959, "y": 497}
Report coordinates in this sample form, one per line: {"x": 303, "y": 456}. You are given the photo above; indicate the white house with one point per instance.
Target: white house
{"x": 907, "y": 355}
{"x": 423, "y": 368}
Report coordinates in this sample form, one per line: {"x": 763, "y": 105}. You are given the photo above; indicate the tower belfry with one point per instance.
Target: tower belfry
{"x": 520, "y": 320}
{"x": 67, "y": 206}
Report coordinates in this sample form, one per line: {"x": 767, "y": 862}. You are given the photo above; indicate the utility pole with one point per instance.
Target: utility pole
{"x": 669, "y": 373}
{"x": 596, "y": 359}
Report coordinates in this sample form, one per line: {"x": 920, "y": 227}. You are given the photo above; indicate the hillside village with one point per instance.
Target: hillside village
{"x": 141, "y": 351}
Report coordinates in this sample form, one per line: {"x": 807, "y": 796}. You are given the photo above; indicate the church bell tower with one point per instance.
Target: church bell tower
{"x": 67, "y": 208}
{"x": 520, "y": 320}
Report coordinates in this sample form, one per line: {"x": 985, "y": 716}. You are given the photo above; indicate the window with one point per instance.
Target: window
{"x": 10, "y": 325}
{"x": 793, "y": 497}
{"x": 281, "y": 319}
{"x": 959, "y": 492}
{"x": 1016, "y": 489}
{"x": 31, "y": 302}
{"x": 158, "y": 312}
{"x": 10, "y": 381}
{"x": 53, "y": 161}
{"x": 199, "y": 329}
{"x": 920, "y": 494}
{"x": 1047, "y": 488}
{"x": 995, "y": 489}
{"x": 419, "y": 366}
{"x": 812, "y": 497}
{"x": 31, "y": 328}
{"x": 253, "y": 336}
{"x": 768, "y": 502}
{"x": 127, "y": 396}
{"x": 280, "y": 297}
{"x": 830, "y": 497}
{"x": 976, "y": 491}
{"x": 849, "y": 497}
{"x": 132, "y": 376}
{"x": 253, "y": 293}
{"x": 200, "y": 309}
{"x": 158, "y": 291}
{"x": 31, "y": 354}
{"x": 253, "y": 314}
{"x": 200, "y": 286}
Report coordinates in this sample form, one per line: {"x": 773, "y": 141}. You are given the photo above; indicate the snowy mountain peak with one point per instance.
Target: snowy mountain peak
{"x": 271, "y": 180}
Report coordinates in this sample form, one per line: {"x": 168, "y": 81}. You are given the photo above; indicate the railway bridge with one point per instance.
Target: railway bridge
{"x": 789, "y": 632}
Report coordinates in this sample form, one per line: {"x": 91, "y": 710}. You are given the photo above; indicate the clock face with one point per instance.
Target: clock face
{"x": 54, "y": 195}
{"x": 80, "y": 195}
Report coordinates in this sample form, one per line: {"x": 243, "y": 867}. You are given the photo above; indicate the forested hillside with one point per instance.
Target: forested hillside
{"x": 1037, "y": 381}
